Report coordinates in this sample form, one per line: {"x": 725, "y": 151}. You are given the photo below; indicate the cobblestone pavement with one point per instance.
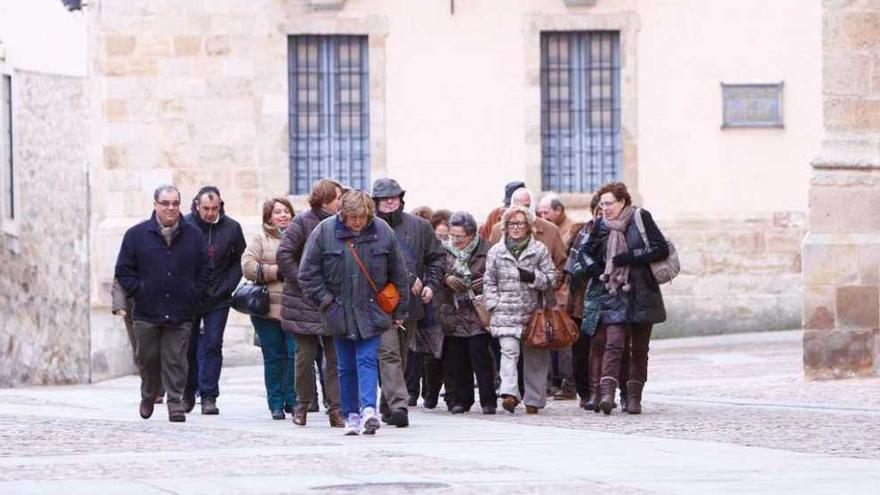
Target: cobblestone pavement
{"x": 728, "y": 414}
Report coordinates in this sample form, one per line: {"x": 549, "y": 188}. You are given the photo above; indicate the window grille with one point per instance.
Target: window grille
{"x": 580, "y": 110}
{"x": 329, "y": 111}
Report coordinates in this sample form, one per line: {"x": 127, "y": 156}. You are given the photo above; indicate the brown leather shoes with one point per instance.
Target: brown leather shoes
{"x": 608, "y": 386}
{"x": 300, "y": 412}
{"x": 509, "y": 403}
{"x": 335, "y": 417}
{"x": 146, "y": 408}
{"x": 531, "y": 409}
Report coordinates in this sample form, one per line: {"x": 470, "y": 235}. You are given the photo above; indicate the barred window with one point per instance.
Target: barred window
{"x": 580, "y": 110}
{"x": 6, "y": 163}
{"x": 329, "y": 111}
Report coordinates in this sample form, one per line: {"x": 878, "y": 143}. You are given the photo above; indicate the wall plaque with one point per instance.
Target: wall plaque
{"x": 752, "y": 105}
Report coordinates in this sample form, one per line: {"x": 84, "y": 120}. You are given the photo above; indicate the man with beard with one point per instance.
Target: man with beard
{"x": 225, "y": 245}
{"x": 424, "y": 256}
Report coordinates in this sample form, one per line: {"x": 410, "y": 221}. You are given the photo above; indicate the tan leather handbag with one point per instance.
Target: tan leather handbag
{"x": 550, "y": 328}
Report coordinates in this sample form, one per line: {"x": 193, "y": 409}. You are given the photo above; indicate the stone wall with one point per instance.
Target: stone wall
{"x": 44, "y": 275}
{"x": 842, "y": 251}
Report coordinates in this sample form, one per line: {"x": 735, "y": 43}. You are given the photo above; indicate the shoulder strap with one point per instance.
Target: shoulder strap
{"x": 363, "y": 268}
{"x": 640, "y": 224}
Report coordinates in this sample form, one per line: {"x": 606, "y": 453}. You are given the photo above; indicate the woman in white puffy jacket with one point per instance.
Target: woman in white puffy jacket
{"x": 518, "y": 270}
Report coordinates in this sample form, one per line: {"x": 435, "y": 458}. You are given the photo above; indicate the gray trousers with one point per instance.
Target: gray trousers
{"x": 392, "y": 364}
{"x": 536, "y": 362}
{"x": 304, "y": 380}
{"x": 161, "y": 350}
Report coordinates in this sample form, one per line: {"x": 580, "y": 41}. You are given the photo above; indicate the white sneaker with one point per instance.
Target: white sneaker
{"x": 353, "y": 424}
{"x": 369, "y": 422}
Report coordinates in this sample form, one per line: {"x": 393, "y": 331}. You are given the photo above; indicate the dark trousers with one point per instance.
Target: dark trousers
{"x": 626, "y": 352}
{"x": 424, "y": 376}
{"x": 161, "y": 350}
{"x": 206, "y": 353}
{"x": 279, "y": 356}
{"x": 464, "y": 357}
{"x": 580, "y": 364}
{"x": 308, "y": 352}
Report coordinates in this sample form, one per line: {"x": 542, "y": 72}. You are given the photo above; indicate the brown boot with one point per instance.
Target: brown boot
{"x": 566, "y": 392}
{"x": 335, "y": 418}
{"x": 608, "y": 386}
{"x": 509, "y": 403}
{"x": 299, "y": 414}
{"x": 634, "y": 397}
{"x": 531, "y": 409}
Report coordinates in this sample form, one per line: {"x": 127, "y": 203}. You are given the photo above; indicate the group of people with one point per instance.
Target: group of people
{"x": 391, "y": 302}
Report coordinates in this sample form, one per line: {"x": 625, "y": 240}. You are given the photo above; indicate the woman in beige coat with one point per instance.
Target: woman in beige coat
{"x": 518, "y": 270}
{"x": 278, "y": 346}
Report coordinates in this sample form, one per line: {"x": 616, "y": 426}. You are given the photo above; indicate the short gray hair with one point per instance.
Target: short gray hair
{"x": 164, "y": 188}
{"x": 464, "y": 220}
{"x": 555, "y": 202}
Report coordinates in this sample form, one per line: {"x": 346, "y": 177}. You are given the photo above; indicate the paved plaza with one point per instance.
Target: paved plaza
{"x": 728, "y": 414}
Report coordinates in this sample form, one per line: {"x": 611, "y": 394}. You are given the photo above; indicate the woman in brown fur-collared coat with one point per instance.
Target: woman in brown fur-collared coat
{"x": 518, "y": 270}
{"x": 278, "y": 346}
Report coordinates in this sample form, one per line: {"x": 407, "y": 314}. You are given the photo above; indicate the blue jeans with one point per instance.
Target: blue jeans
{"x": 206, "y": 353}
{"x": 279, "y": 355}
{"x": 358, "y": 365}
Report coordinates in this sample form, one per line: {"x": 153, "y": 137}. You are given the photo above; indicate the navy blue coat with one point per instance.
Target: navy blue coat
{"x": 167, "y": 283}
{"x": 225, "y": 243}
{"x": 330, "y": 277}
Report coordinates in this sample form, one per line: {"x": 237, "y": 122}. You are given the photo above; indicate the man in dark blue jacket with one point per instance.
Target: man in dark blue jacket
{"x": 225, "y": 244}
{"x": 163, "y": 266}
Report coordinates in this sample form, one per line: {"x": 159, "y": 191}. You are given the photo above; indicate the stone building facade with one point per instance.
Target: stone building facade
{"x": 842, "y": 250}
{"x": 203, "y": 92}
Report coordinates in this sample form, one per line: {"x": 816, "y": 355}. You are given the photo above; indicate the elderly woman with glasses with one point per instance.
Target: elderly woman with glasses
{"x": 519, "y": 270}
{"x": 466, "y": 350}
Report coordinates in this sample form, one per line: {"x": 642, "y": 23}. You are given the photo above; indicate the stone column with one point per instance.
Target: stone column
{"x": 841, "y": 252}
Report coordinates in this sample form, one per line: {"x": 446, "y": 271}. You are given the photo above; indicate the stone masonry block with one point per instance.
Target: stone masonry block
{"x": 187, "y": 45}
{"x": 851, "y": 113}
{"x": 868, "y": 201}
{"x": 829, "y": 264}
{"x": 840, "y": 353}
{"x": 115, "y": 157}
{"x": 847, "y": 74}
{"x": 853, "y": 30}
{"x": 869, "y": 263}
{"x": 115, "y": 110}
{"x": 819, "y": 306}
{"x": 824, "y": 208}
{"x": 858, "y": 306}
{"x": 116, "y": 45}
{"x": 217, "y": 45}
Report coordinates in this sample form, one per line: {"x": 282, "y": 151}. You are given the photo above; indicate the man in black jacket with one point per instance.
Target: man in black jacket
{"x": 225, "y": 244}
{"x": 424, "y": 257}
{"x": 163, "y": 266}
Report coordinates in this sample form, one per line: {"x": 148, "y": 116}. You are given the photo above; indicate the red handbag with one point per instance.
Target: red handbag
{"x": 388, "y": 298}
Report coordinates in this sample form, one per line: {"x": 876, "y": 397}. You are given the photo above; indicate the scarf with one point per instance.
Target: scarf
{"x": 461, "y": 258}
{"x": 517, "y": 247}
{"x": 616, "y": 276}
{"x": 168, "y": 232}
{"x": 394, "y": 218}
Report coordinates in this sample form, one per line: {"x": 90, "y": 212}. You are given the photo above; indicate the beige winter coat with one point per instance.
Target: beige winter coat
{"x": 511, "y": 301}
{"x": 261, "y": 250}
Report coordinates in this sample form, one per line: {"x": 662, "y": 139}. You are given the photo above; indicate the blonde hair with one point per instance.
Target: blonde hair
{"x": 513, "y": 210}
{"x": 356, "y": 202}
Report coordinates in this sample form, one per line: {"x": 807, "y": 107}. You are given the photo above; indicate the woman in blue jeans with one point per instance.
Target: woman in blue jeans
{"x": 330, "y": 274}
{"x": 278, "y": 346}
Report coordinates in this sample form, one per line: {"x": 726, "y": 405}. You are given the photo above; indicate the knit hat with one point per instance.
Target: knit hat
{"x": 510, "y": 188}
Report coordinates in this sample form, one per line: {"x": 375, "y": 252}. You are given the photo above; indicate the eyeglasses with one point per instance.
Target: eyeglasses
{"x": 168, "y": 204}
{"x": 516, "y": 225}
{"x": 457, "y": 236}
{"x": 606, "y": 204}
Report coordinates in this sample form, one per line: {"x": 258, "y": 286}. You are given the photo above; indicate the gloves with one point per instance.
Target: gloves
{"x": 622, "y": 259}
{"x": 456, "y": 284}
{"x": 526, "y": 276}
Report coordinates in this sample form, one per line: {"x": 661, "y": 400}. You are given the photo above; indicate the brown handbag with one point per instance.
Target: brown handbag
{"x": 550, "y": 328}
{"x": 388, "y": 298}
